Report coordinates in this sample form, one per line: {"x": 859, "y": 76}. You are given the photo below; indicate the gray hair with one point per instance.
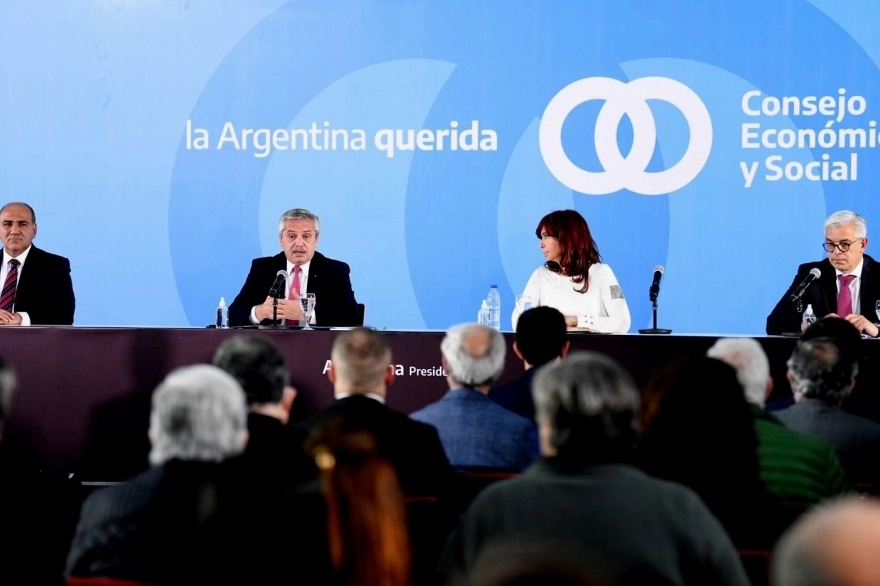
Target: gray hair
{"x": 199, "y": 413}
{"x": 747, "y": 357}
{"x": 801, "y": 556}
{"x": 604, "y": 392}
{"x": 474, "y": 354}
{"x": 299, "y": 214}
{"x": 845, "y": 218}
{"x": 819, "y": 371}
{"x": 361, "y": 358}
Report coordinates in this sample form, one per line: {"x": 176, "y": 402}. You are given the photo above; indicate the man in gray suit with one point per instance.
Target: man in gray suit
{"x": 821, "y": 377}
{"x": 475, "y": 431}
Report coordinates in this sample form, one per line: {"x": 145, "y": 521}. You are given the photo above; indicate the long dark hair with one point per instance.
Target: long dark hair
{"x": 366, "y": 516}
{"x": 579, "y": 250}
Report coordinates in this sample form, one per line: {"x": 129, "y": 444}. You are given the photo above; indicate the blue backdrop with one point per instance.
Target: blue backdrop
{"x": 160, "y": 141}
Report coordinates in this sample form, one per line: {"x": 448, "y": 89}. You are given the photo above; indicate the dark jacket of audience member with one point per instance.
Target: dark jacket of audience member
{"x": 540, "y": 338}
{"x": 587, "y": 494}
{"x": 702, "y": 435}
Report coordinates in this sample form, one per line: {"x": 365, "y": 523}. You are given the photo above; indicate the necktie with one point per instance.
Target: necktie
{"x": 7, "y": 297}
{"x": 844, "y": 297}
{"x": 293, "y": 292}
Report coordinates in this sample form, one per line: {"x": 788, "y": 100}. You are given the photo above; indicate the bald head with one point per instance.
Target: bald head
{"x": 473, "y": 355}
{"x": 834, "y": 545}
{"x": 360, "y": 360}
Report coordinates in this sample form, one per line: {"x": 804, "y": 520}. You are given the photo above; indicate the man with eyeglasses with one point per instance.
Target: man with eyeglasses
{"x": 849, "y": 285}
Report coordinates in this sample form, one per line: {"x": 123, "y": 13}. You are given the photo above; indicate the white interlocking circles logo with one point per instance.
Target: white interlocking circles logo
{"x": 621, "y": 99}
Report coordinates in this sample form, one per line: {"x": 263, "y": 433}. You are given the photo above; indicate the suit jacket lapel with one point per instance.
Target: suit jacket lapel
{"x": 31, "y": 267}
{"x": 829, "y": 288}
{"x": 314, "y": 283}
{"x": 868, "y": 296}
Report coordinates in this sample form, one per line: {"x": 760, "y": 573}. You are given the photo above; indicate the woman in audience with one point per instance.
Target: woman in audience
{"x": 366, "y": 517}
{"x": 700, "y": 433}
{"x": 574, "y": 280}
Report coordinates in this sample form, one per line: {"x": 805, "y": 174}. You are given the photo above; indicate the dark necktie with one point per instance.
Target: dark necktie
{"x": 7, "y": 297}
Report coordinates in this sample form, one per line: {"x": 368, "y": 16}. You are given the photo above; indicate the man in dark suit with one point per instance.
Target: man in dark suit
{"x": 475, "y": 431}
{"x": 540, "y": 338}
{"x": 37, "y": 289}
{"x": 307, "y": 271}
{"x": 360, "y": 372}
{"x": 821, "y": 377}
{"x": 273, "y": 460}
{"x": 848, "y": 286}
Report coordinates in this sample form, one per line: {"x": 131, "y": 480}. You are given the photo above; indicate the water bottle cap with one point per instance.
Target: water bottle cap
{"x": 809, "y": 307}
{"x": 222, "y": 302}
{"x": 494, "y": 287}
{"x": 485, "y": 305}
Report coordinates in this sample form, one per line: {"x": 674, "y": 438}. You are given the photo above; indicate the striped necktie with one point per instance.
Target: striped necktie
{"x": 7, "y": 297}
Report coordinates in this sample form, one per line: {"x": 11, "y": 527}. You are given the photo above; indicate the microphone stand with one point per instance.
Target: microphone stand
{"x": 655, "y": 329}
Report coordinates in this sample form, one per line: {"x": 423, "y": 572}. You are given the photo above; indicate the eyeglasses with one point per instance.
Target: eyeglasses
{"x": 841, "y": 246}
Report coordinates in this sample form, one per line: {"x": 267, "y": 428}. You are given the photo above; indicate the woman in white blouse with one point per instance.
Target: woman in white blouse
{"x": 574, "y": 280}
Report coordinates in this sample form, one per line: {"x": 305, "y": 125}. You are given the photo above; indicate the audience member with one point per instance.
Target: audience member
{"x": 834, "y": 545}
{"x": 586, "y": 492}
{"x": 360, "y": 372}
{"x": 821, "y": 375}
{"x": 274, "y": 453}
{"x": 169, "y": 524}
{"x": 366, "y": 527}
{"x": 703, "y": 436}
{"x": 799, "y": 469}
{"x": 540, "y": 338}
{"x": 475, "y": 431}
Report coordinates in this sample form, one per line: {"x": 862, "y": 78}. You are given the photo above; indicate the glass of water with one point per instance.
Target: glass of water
{"x": 308, "y": 307}
{"x": 523, "y": 302}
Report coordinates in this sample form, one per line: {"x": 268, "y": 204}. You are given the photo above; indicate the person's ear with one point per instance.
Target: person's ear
{"x": 565, "y": 348}
{"x": 287, "y": 398}
{"x": 517, "y": 352}
{"x": 331, "y": 373}
{"x": 389, "y": 375}
{"x": 769, "y": 390}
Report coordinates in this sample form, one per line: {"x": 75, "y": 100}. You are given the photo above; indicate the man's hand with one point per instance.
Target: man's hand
{"x": 9, "y": 319}
{"x": 863, "y": 324}
{"x": 289, "y": 309}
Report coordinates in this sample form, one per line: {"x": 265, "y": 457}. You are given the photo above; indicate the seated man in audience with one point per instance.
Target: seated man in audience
{"x": 169, "y": 524}
{"x": 799, "y": 469}
{"x": 477, "y": 432}
{"x": 836, "y": 544}
{"x": 540, "y": 338}
{"x": 274, "y": 453}
{"x": 586, "y": 494}
{"x": 821, "y": 377}
{"x": 360, "y": 371}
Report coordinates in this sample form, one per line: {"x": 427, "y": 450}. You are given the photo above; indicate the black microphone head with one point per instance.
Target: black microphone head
{"x": 816, "y": 273}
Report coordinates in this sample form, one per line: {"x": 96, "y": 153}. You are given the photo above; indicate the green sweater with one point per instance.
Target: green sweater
{"x": 799, "y": 469}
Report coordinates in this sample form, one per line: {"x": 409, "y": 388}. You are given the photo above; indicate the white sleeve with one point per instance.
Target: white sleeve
{"x": 618, "y": 319}
{"x": 533, "y": 290}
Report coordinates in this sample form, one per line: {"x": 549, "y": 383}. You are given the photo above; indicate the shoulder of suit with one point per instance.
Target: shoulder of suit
{"x": 40, "y": 253}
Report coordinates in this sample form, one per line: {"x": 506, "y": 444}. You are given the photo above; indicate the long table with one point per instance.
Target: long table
{"x": 83, "y": 398}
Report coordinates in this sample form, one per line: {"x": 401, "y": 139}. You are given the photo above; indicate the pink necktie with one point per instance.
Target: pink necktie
{"x": 844, "y": 297}
{"x": 293, "y": 292}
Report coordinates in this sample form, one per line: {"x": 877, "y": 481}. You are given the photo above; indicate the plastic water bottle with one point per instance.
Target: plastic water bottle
{"x": 809, "y": 318}
{"x": 222, "y": 314}
{"x": 483, "y": 314}
{"x": 494, "y": 302}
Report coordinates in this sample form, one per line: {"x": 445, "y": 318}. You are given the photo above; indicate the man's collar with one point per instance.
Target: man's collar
{"x": 21, "y": 257}
{"x": 373, "y": 396}
{"x": 304, "y": 267}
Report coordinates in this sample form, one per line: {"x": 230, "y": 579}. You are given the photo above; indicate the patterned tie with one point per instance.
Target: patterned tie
{"x": 844, "y": 297}
{"x": 7, "y": 298}
{"x": 293, "y": 292}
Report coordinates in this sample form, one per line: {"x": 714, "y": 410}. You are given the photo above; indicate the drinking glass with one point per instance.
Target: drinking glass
{"x": 877, "y": 307}
{"x": 523, "y": 302}
{"x": 308, "y": 307}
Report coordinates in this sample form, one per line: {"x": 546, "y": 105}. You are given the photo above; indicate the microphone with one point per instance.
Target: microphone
{"x": 799, "y": 292}
{"x": 278, "y": 286}
{"x": 655, "y": 286}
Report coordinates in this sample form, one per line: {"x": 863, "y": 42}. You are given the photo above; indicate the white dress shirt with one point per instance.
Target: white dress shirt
{"x": 303, "y": 283}
{"x": 21, "y": 258}
{"x": 601, "y": 308}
